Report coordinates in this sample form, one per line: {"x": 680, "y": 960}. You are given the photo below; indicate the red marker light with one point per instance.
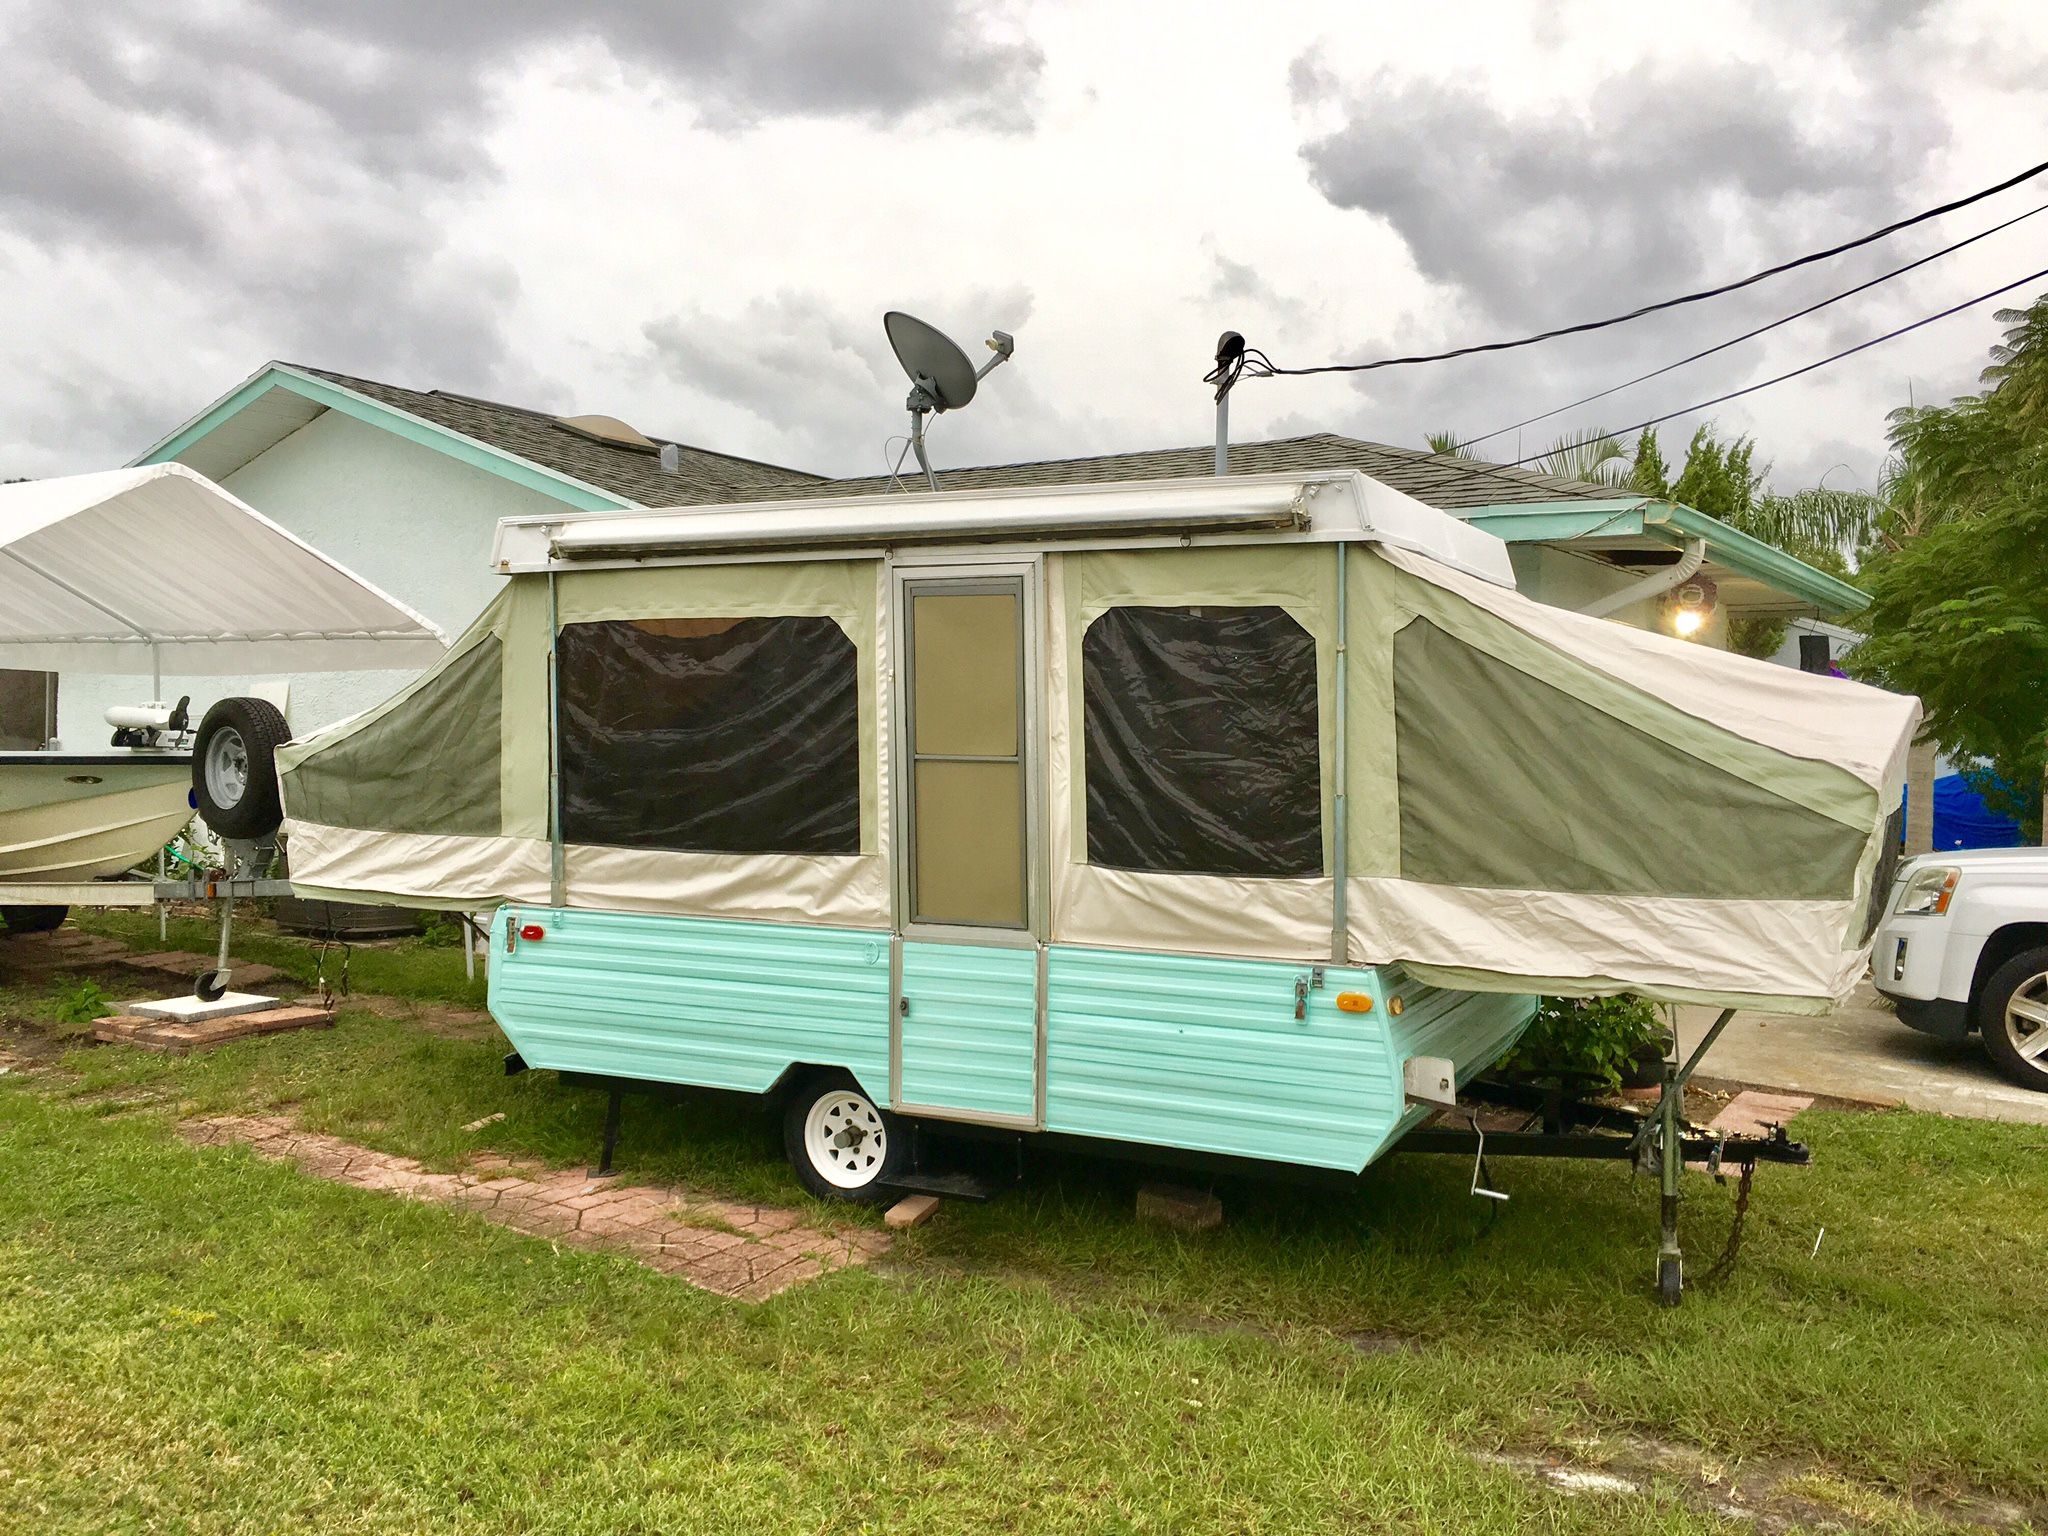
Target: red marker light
{"x": 533, "y": 931}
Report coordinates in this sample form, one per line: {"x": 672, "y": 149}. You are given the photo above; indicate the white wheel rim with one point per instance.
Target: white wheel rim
{"x": 845, "y": 1140}
{"x": 2026, "y": 1020}
{"x": 227, "y": 767}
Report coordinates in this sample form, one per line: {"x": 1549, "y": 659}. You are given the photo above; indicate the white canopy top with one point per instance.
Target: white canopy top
{"x": 133, "y": 569}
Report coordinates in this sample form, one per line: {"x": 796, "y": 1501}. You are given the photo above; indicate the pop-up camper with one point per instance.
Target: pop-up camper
{"x": 1187, "y": 814}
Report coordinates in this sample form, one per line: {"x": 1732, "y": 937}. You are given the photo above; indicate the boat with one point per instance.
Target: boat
{"x": 96, "y": 576}
{"x": 87, "y": 815}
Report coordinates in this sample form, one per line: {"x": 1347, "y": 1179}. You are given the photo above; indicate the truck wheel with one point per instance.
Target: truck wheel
{"x": 234, "y": 767}
{"x": 2012, "y": 1011}
{"x": 842, "y": 1144}
{"x": 33, "y": 919}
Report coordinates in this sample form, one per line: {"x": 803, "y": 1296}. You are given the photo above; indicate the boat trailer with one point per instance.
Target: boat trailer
{"x": 242, "y": 880}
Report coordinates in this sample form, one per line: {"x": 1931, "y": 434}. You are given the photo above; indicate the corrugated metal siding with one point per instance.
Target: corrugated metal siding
{"x": 1206, "y": 1054}
{"x": 1474, "y": 1029}
{"x": 692, "y": 1000}
{"x": 970, "y": 1037}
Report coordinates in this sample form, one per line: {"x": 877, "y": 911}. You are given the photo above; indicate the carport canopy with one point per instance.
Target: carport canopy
{"x": 159, "y": 569}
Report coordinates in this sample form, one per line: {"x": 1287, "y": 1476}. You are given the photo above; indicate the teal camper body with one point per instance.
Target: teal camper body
{"x": 1093, "y": 811}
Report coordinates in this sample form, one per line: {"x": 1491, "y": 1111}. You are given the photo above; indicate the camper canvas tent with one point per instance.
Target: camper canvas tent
{"x": 1224, "y": 817}
{"x": 1532, "y": 800}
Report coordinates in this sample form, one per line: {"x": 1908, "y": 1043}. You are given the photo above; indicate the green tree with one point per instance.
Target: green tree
{"x": 1958, "y": 574}
{"x": 1649, "y": 475}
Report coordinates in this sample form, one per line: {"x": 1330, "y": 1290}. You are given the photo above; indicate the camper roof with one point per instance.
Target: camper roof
{"x": 1338, "y": 506}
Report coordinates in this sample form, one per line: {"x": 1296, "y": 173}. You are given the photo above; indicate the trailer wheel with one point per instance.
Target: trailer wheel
{"x": 842, "y": 1144}
{"x": 2012, "y": 1012}
{"x": 33, "y": 919}
{"x": 1670, "y": 1281}
{"x": 234, "y": 767}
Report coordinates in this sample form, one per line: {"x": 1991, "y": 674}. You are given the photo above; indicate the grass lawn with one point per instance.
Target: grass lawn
{"x": 202, "y": 1340}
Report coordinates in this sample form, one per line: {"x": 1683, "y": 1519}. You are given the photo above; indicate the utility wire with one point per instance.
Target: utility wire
{"x": 1268, "y": 370}
{"x": 1750, "y": 389}
{"x": 1751, "y": 335}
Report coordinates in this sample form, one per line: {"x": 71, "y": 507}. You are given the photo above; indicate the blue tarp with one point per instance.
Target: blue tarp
{"x": 1962, "y": 820}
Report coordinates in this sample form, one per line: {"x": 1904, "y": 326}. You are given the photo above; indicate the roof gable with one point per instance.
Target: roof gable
{"x": 530, "y": 448}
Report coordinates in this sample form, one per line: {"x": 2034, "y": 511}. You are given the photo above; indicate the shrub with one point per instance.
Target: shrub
{"x": 1596, "y": 1037}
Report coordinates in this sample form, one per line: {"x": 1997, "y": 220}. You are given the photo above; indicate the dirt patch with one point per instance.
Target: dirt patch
{"x": 1769, "y": 1496}
{"x": 450, "y": 1021}
{"x": 749, "y": 1252}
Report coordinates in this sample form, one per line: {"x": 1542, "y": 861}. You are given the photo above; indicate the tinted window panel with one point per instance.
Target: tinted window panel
{"x": 1200, "y": 742}
{"x": 711, "y": 735}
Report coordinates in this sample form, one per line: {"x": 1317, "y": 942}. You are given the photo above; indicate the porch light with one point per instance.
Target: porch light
{"x": 1691, "y": 606}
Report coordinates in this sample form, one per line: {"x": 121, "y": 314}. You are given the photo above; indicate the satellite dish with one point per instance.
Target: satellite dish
{"x": 941, "y": 377}
{"x": 932, "y": 359}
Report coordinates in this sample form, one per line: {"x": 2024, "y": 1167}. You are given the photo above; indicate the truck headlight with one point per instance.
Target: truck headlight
{"x": 1928, "y": 891}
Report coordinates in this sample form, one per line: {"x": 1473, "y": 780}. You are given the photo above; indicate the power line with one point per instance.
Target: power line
{"x": 1262, "y": 368}
{"x": 1750, "y": 389}
{"x": 1751, "y": 335}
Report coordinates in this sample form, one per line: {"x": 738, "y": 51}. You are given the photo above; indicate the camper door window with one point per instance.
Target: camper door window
{"x": 1200, "y": 742}
{"x": 715, "y": 735}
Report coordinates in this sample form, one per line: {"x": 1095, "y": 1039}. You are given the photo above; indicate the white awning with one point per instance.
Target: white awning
{"x": 134, "y": 569}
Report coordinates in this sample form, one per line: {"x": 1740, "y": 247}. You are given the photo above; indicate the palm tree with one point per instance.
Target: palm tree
{"x": 1589, "y": 454}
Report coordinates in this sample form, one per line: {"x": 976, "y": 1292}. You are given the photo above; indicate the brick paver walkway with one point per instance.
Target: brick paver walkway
{"x": 745, "y": 1251}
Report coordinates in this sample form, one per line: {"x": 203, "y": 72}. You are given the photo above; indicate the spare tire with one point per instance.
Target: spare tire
{"x": 234, "y": 767}
{"x": 33, "y": 919}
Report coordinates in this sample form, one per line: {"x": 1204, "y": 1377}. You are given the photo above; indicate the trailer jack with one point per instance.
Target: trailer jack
{"x": 1661, "y": 1143}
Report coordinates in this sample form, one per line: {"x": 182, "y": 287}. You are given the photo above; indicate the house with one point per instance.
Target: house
{"x": 405, "y": 487}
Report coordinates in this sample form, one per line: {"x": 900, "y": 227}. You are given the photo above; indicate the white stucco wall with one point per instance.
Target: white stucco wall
{"x": 1566, "y": 580}
{"x": 412, "y": 521}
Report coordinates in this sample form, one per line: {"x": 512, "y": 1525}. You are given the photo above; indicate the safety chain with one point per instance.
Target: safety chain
{"x": 328, "y": 989}
{"x": 1726, "y": 1262}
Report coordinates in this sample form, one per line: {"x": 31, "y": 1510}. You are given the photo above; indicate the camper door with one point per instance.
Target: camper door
{"x": 966, "y": 1030}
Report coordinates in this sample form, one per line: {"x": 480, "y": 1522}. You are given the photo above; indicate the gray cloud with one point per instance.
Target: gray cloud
{"x": 818, "y": 387}
{"x": 1646, "y": 187}
{"x": 281, "y": 165}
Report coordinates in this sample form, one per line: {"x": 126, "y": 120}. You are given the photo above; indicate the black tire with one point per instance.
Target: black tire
{"x": 33, "y": 919}
{"x": 209, "y": 988}
{"x": 872, "y": 1144}
{"x": 250, "y": 730}
{"x": 2007, "y": 1036}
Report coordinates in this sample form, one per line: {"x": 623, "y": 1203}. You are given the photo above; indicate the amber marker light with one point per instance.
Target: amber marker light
{"x": 1395, "y": 1005}
{"x": 1354, "y": 1002}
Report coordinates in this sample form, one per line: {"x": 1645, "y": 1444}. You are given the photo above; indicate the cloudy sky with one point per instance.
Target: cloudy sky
{"x": 693, "y": 217}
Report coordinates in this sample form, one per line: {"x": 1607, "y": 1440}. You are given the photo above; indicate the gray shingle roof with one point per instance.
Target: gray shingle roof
{"x": 1453, "y": 484}
{"x": 541, "y": 439}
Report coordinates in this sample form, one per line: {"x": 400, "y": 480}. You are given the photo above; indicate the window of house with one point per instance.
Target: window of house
{"x": 711, "y": 735}
{"x": 1200, "y": 742}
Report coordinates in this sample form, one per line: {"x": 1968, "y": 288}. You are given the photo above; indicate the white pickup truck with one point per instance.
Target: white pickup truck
{"x": 1963, "y": 946}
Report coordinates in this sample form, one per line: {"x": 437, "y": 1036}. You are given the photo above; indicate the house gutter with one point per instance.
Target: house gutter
{"x": 1653, "y": 585}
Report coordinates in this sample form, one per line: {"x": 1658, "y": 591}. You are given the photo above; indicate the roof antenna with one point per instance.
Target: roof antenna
{"x": 1229, "y": 364}
{"x": 941, "y": 377}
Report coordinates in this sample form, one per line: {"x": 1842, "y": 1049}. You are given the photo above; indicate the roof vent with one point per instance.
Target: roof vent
{"x": 608, "y": 429}
{"x": 671, "y": 459}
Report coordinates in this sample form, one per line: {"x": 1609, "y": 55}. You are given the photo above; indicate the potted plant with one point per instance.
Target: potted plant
{"x": 1618, "y": 1042}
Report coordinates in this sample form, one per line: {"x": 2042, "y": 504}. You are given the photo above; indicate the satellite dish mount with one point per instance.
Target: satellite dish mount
{"x": 941, "y": 377}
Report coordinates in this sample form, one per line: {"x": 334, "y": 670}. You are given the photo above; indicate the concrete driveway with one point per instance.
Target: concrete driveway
{"x": 1861, "y": 1051}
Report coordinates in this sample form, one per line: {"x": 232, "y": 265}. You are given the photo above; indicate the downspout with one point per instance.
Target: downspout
{"x": 1340, "y": 917}
{"x": 1653, "y": 585}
